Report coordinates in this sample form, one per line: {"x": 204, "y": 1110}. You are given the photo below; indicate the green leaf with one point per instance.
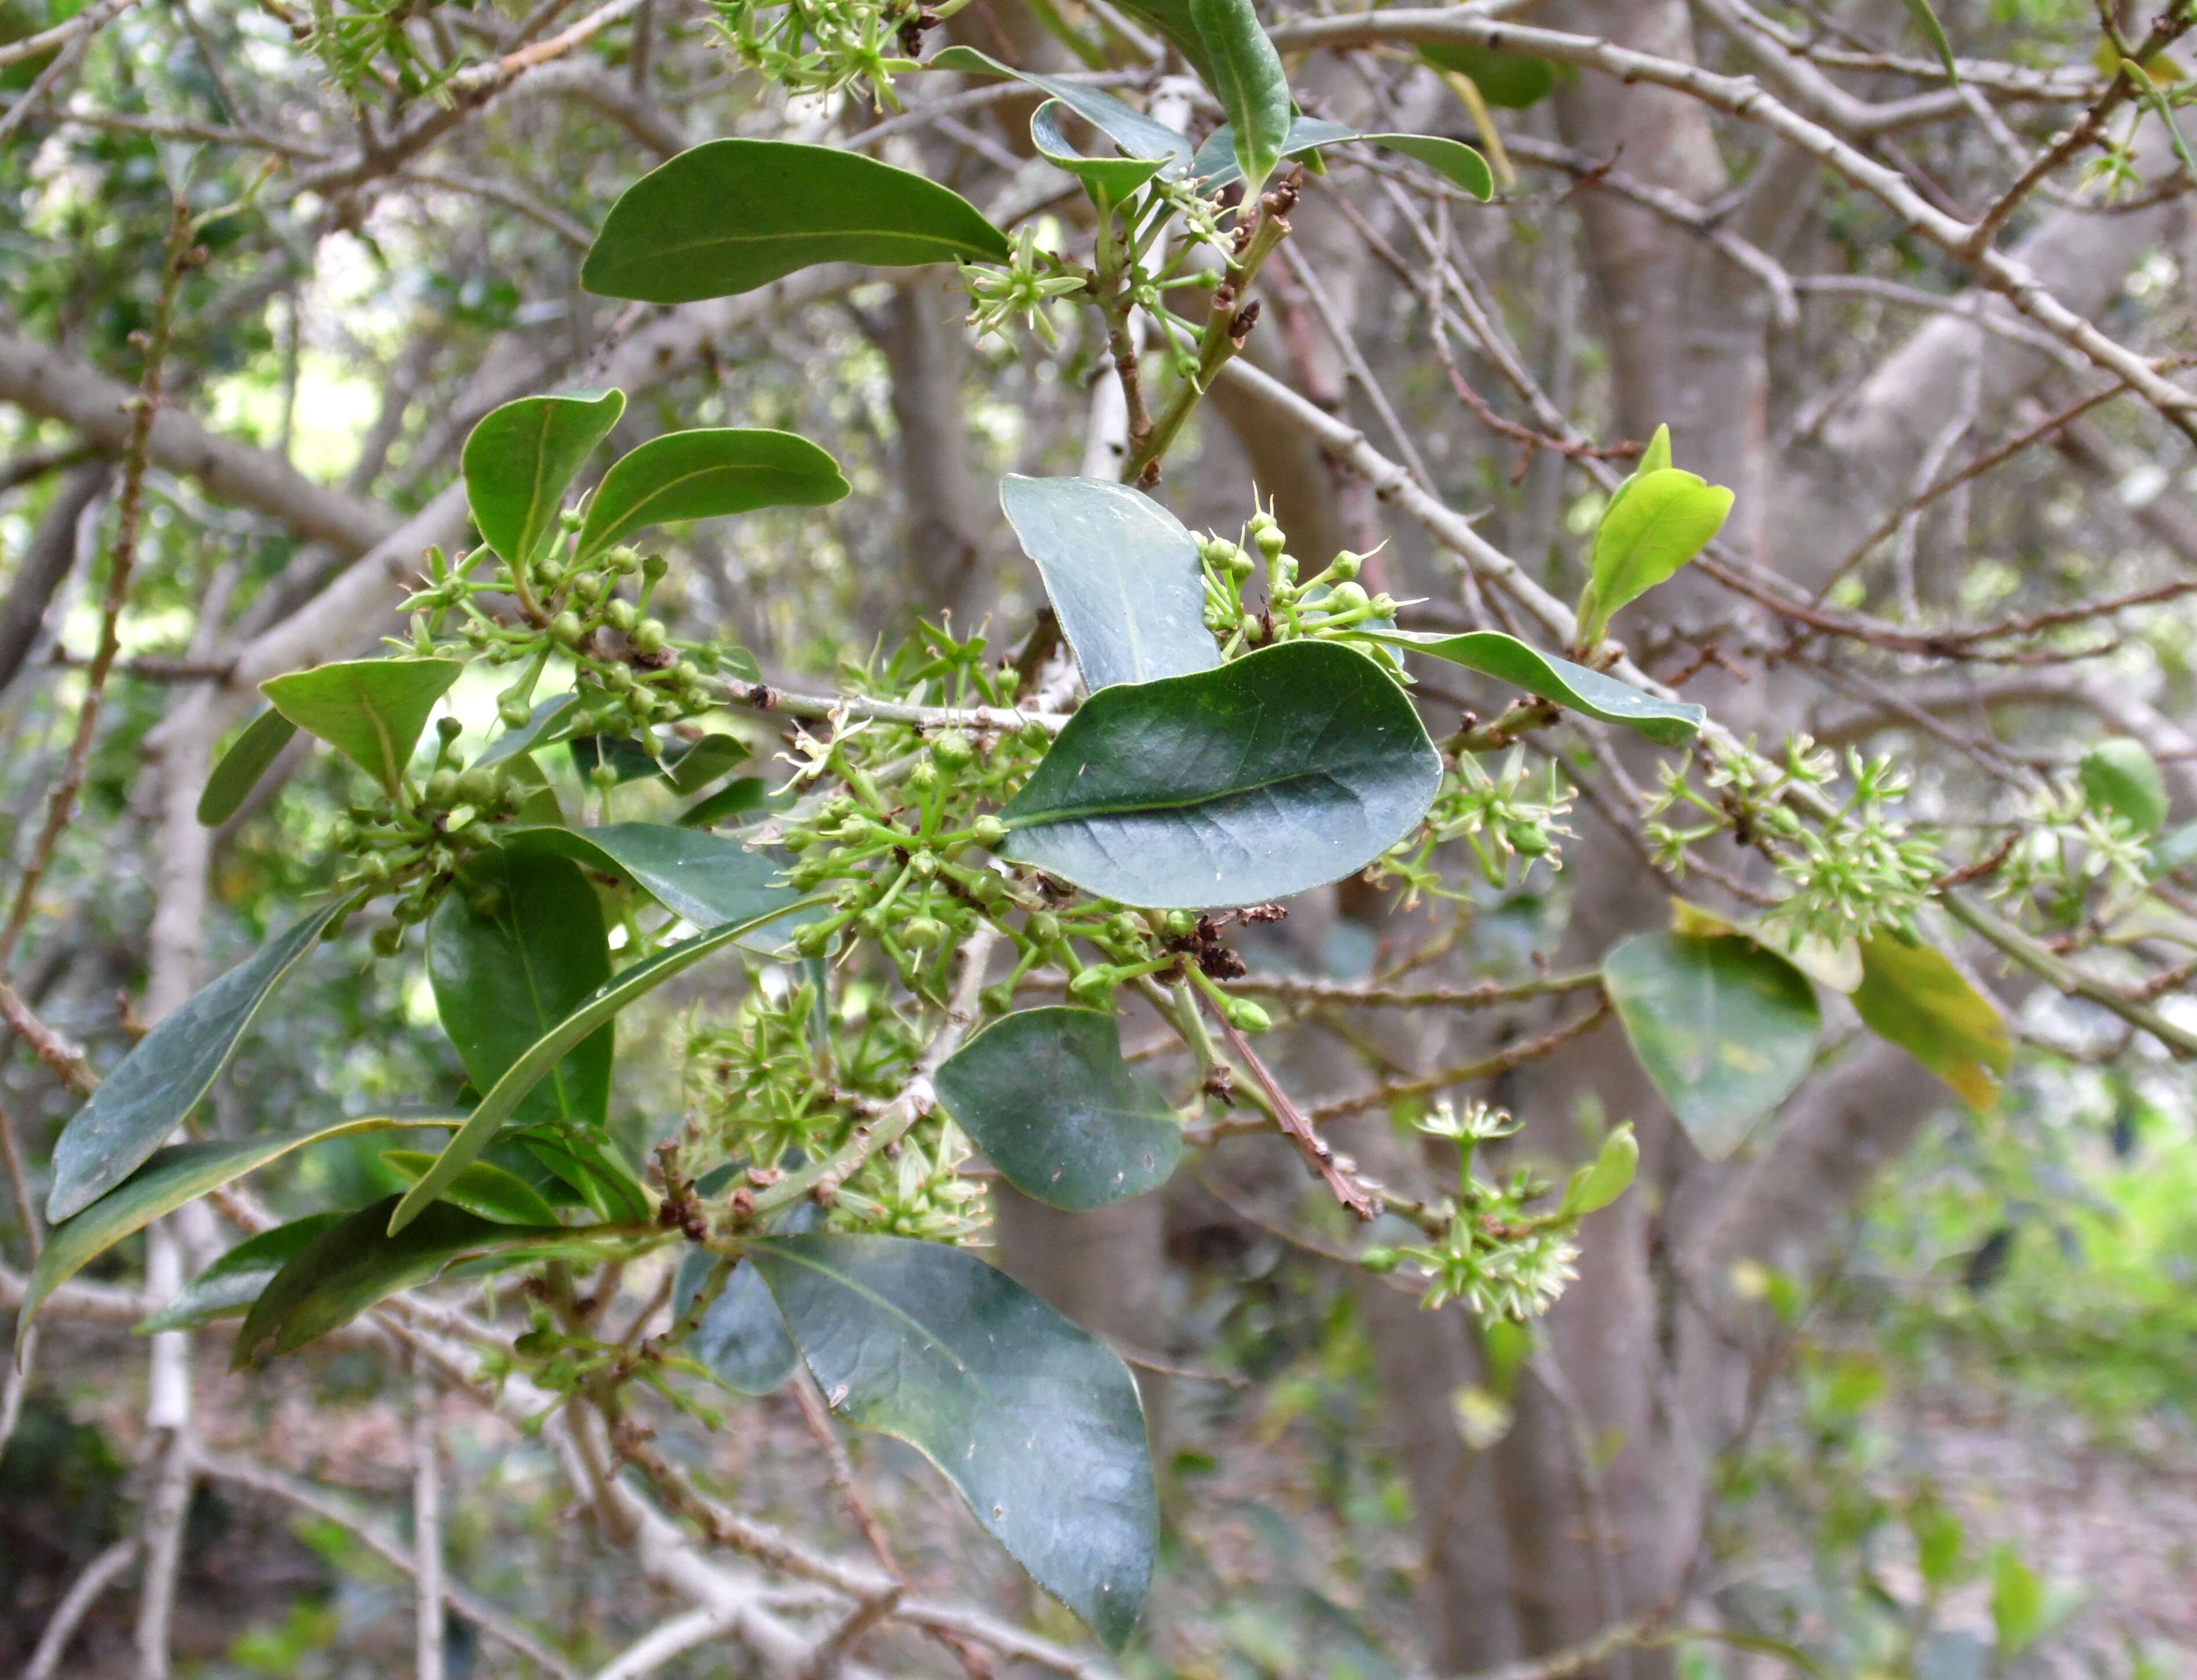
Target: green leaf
{"x": 1110, "y": 180}
{"x": 590, "y": 1167}
{"x": 1173, "y": 19}
{"x": 162, "y": 1079}
{"x": 686, "y": 769}
{"x": 2017, "y": 1602}
{"x": 1137, "y": 134}
{"x": 504, "y": 1097}
{"x": 732, "y": 215}
{"x": 702, "y": 475}
{"x": 179, "y": 1174}
{"x": 482, "y": 1187}
{"x": 1603, "y": 1179}
{"x": 1669, "y": 723}
{"x": 370, "y": 710}
{"x": 708, "y": 878}
{"x": 354, "y": 1263}
{"x": 740, "y": 795}
{"x": 2119, "y": 776}
{"x": 1045, "y": 1094}
{"x": 520, "y": 457}
{"x": 227, "y": 1288}
{"x": 1254, "y": 89}
{"x": 1510, "y": 80}
{"x": 550, "y": 720}
{"x": 1914, "y": 997}
{"x": 741, "y": 1340}
{"x": 1121, "y": 573}
{"x": 1723, "y": 1029}
{"x": 1281, "y": 771}
{"x": 1662, "y": 520}
{"x": 1035, "y": 1422}
{"x": 515, "y": 946}
{"x": 1927, "y": 26}
{"x": 1938, "y": 1539}
{"x": 702, "y": 763}
{"x": 1454, "y": 160}
{"x": 256, "y": 748}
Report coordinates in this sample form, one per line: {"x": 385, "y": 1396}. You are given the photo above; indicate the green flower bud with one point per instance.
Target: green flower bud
{"x": 924, "y": 777}
{"x": 479, "y": 786}
{"x": 387, "y": 941}
{"x": 953, "y": 750}
{"x": 618, "y": 679}
{"x": 409, "y": 910}
{"x": 987, "y": 889}
{"x": 344, "y": 834}
{"x": 989, "y": 833}
{"x": 1217, "y": 551}
{"x": 1094, "y": 985}
{"x": 653, "y": 568}
{"x": 925, "y": 865}
{"x": 922, "y": 932}
{"x": 1127, "y": 928}
{"x": 622, "y": 616}
{"x": 589, "y": 585}
{"x": 1036, "y": 733}
{"x": 997, "y": 1000}
{"x": 808, "y": 874}
{"x": 1269, "y": 540}
{"x": 442, "y": 789}
{"x": 812, "y": 938}
{"x": 449, "y": 729}
{"x": 1043, "y": 926}
{"x": 1380, "y": 1259}
{"x": 648, "y": 636}
{"x": 512, "y": 714}
{"x": 1345, "y": 598}
{"x": 1384, "y": 607}
{"x": 564, "y": 629}
{"x": 1181, "y": 924}
{"x": 1527, "y": 841}
{"x": 373, "y": 866}
{"x": 1246, "y": 1017}
{"x": 603, "y": 778}
{"x": 1345, "y": 566}
{"x": 475, "y": 633}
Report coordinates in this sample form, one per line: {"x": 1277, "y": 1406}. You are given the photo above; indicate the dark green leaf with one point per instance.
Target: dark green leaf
{"x": 1669, "y": 723}
{"x": 732, "y": 215}
{"x": 590, "y": 1167}
{"x": 354, "y": 1263}
{"x": 230, "y": 1286}
{"x": 705, "y": 761}
{"x": 701, "y": 475}
{"x": 1252, "y": 88}
{"x": 370, "y": 710}
{"x": 1281, "y": 771}
{"x": 1045, "y": 1094}
{"x": 178, "y": 1174}
{"x": 742, "y": 794}
{"x": 686, "y": 769}
{"x": 248, "y": 758}
{"x": 483, "y": 1189}
{"x": 550, "y": 718}
{"x": 505, "y": 1096}
{"x": 1724, "y": 1027}
{"x": 1452, "y": 160}
{"x": 1037, "y": 1424}
{"x": 1123, "y": 574}
{"x": 1510, "y": 80}
{"x": 1927, "y": 26}
{"x": 516, "y": 944}
{"x": 1914, "y": 997}
{"x": 162, "y": 1079}
{"x": 1109, "y": 179}
{"x": 741, "y": 1340}
{"x": 708, "y": 878}
{"x": 2119, "y": 776}
{"x": 1172, "y": 18}
{"x": 1137, "y": 136}
{"x": 518, "y": 460}
{"x": 1215, "y": 165}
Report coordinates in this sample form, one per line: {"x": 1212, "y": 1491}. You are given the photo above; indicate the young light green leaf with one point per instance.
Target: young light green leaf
{"x": 1137, "y": 136}
{"x": 1914, "y": 997}
{"x": 1121, "y": 573}
{"x": 162, "y": 1079}
{"x": 520, "y": 457}
{"x": 2017, "y": 1602}
{"x": 1512, "y": 81}
{"x": 370, "y": 710}
{"x": 741, "y": 1340}
{"x": 1603, "y": 1179}
{"x": 1723, "y": 1029}
{"x": 708, "y": 878}
{"x": 1925, "y": 19}
{"x": 226, "y": 1289}
{"x": 1110, "y": 180}
{"x": 701, "y": 475}
{"x": 356, "y": 1263}
{"x": 590, "y": 1168}
{"x": 1669, "y": 723}
{"x": 1664, "y": 518}
{"x": 2119, "y": 776}
{"x": 172, "y": 1176}
{"x": 1045, "y": 1094}
{"x": 521, "y": 1077}
{"x": 1035, "y": 1423}
{"x": 1284, "y": 770}
{"x": 1252, "y": 88}
{"x": 515, "y": 946}
{"x": 729, "y": 216}
{"x": 249, "y": 757}
{"x": 482, "y": 1187}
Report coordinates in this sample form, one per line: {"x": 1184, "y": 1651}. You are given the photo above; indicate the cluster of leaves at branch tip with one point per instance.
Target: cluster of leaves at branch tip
{"x": 1658, "y": 519}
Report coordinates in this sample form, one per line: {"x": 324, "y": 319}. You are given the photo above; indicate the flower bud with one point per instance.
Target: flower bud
{"x": 922, "y": 933}
{"x": 622, "y": 616}
{"x": 513, "y": 713}
{"x": 479, "y": 786}
{"x": 442, "y": 789}
{"x": 952, "y": 750}
{"x": 1094, "y": 985}
{"x": 648, "y": 636}
{"x": 1043, "y": 926}
{"x": 387, "y": 941}
{"x": 564, "y": 629}
{"x": 1246, "y": 1017}
{"x": 989, "y": 833}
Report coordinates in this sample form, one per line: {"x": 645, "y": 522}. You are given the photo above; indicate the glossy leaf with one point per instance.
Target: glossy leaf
{"x": 548, "y": 724}
{"x": 356, "y": 1264}
{"x": 2119, "y": 776}
{"x": 1662, "y": 521}
{"x": 703, "y": 762}
{"x": 482, "y": 1187}
{"x": 1137, "y": 134}
{"x": 1914, "y": 997}
{"x": 1512, "y": 81}
{"x": 1837, "y": 966}
{"x": 161, "y": 1080}
{"x": 370, "y": 710}
{"x": 741, "y": 1340}
{"x": 1123, "y": 574}
{"x": 686, "y": 769}
{"x": 520, "y": 459}
{"x": 509, "y": 1091}
{"x": 249, "y": 757}
{"x": 588, "y": 1168}
{"x": 1279, "y": 772}
{"x": 515, "y": 946}
{"x": 708, "y": 878}
{"x": 1215, "y": 163}
{"x": 1045, "y": 1095}
{"x": 729, "y": 216}
{"x": 1035, "y": 1422}
{"x": 178, "y": 1174}
{"x": 1669, "y": 723}
{"x": 737, "y": 798}
{"x": 1254, "y": 89}
{"x": 704, "y": 474}
{"x": 1454, "y": 160}
{"x": 226, "y": 1289}
{"x": 1172, "y": 18}
{"x": 1109, "y": 179}
{"x": 1724, "y": 1027}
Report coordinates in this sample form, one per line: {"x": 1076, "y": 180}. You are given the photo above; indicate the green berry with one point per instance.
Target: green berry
{"x": 1246, "y": 1017}
{"x": 1044, "y": 926}
{"x": 387, "y": 941}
